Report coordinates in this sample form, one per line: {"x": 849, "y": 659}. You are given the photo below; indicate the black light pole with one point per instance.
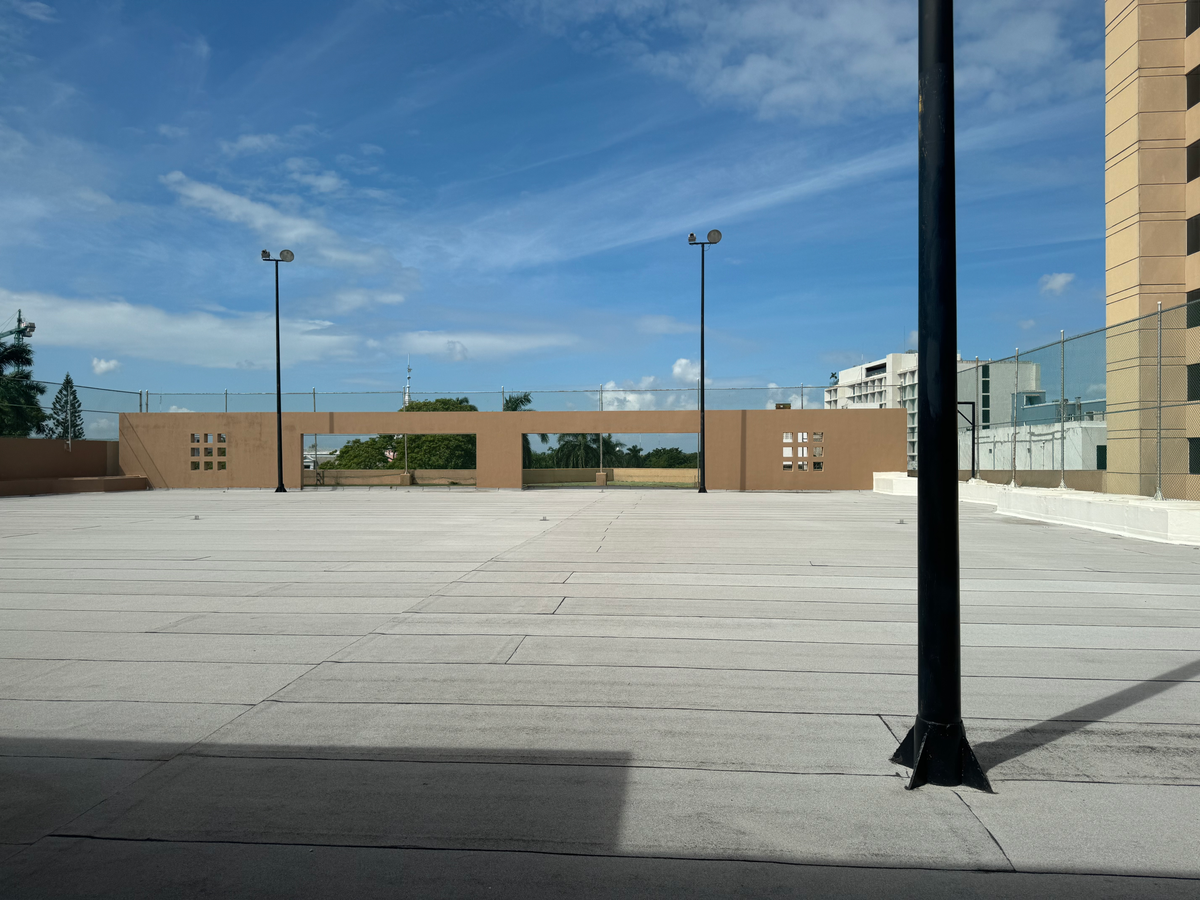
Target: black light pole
{"x": 284, "y": 256}
{"x": 936, "y": 747}
{"x": 714, "y": 237}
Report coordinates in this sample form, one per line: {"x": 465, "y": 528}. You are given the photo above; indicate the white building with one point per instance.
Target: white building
{"x": 1000, "y": 392}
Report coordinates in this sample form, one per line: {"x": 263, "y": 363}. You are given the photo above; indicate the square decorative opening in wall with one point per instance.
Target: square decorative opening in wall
{"x": 787, "y": 466}
{"x": 195, "y": 438}
{"x": 787, "y": 451}
{"x": 220, "y": 467}
{"x": 208, "y": 439}
{"x": 801, "y": 467}
{"x": 195, "y": 451}
{"x": 818, "y": 436}
{"x": 220, "y": 451}
{"x": 221, "y": 439}
{"x": 787, "y": 437}
{"x": 801, "y": 437}
{"x": 802, "y": 451}
{"x": 818, "y": 451}
{"x": 818, "y": 467}
{"x": 207, "y": 465}
{"x": 208, "y": 451}
{"x": 195, "y": 465}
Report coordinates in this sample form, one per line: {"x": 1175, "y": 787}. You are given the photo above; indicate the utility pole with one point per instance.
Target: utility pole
{"x": 936, "y": 747}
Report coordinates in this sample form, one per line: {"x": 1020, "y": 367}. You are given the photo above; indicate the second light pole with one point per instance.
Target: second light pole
{"x": 284, "y": 256}
{"x": 714, "y": 237}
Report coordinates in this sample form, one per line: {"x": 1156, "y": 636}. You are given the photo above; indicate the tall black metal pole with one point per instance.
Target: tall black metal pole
{"x": 703, "y": 489}
{"x": 936, "y": 748}
{"x": 278, "y": 390}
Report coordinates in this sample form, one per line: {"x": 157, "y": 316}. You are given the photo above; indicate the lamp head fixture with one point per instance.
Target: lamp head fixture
{"x": 288, "y": 255}
{"x": 714, "y": 237}
{"x": 266, "y": 255}
{"x": 692, "y": 238}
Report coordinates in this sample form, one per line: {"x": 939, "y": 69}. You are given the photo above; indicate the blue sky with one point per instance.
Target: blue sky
{"x": 503, "y": 190}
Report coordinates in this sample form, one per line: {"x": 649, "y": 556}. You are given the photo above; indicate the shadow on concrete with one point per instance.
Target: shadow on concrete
{"x": 101, "y": 819}
{"x": 993, "y": 753}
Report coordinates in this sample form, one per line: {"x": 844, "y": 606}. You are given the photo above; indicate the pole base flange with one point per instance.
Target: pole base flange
{"x": 281, "y": 490}
{"x": 940, "y": 754}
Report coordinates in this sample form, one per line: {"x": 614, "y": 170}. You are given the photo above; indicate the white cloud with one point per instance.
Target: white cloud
{"x": 1055, "y": 283}
{"x": 307, "y": 237}
{"x": 479, "y": 344}
{"x": 1026, "y": 324}
{"x": 189, "y": 338}
{"x": 664, "y": 325}
{"x": 830, "y": 57}
{"x": 174, "y": 132}
{"x": 174, "y": 408}
{"x": 350, "y": 299}
{"x": 307, "y": 172}
{"x": 249, "y": 143}
{"x": 686, "y": 370}
{"x": 370, "y": 149}
{"x": 912, "y": 340}
{"x": 31, "y": 9}
{"x": 104, "y": 366}
{"x": 100, "y": 428}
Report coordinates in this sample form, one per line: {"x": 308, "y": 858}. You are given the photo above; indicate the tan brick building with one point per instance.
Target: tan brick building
{"x": 1152, "y": 221}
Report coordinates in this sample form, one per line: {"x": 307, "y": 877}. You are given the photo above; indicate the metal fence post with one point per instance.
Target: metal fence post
{"x": 1062, "y": 406}
{"x": 226, "y": 399}
{"x": 1016, "y": 390}
{"x": 1158, "y": 494}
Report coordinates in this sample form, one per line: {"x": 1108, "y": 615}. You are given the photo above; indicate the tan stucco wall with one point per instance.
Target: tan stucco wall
{"x": 22, "y": 458}
{"x": 744, "y": 446}
{"x": 1147, "y": 203}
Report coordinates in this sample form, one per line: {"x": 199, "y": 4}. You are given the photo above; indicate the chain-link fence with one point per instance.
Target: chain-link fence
{"x": 606, "y": 397}
{"x": 1116, "y": 410}
{"x": 99, "y": 409}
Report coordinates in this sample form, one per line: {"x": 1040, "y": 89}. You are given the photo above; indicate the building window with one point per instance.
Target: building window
{"x": 195, "y": 451}
{"x": 1194, "y": 456}
{"x": 221, "y": 452}
{"x": 1194, "y": 381}
{"x": 221, "y": 466}
{"x": 1193, "y": 309}
{"x": 207, "y": 466}
{"x": 208, "y": 451}
{"x": 195, "y": 465}
{"x": 220, "y": 439}
{"x": 1193, "y": 87}
{"x": 1193, "y": 234}
{"x": 1101, "y": 457}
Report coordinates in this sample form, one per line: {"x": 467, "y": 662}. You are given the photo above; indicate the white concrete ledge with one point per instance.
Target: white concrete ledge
{"x": 1168, "y": 521}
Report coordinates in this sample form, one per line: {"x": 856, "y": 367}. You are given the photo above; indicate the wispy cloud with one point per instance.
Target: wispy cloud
{"x": 104, "y": 366}
{"x": 249, "y": 143}
{"x": 664, "y": 325}
{"x": 188, "y": 338}
{"x": 308, "y": 172}
{"x": 462, "y": 345}
{"x": 829, "y": 58}
{"x": 31, "y": 9}
{"x": 1055, "y": 283}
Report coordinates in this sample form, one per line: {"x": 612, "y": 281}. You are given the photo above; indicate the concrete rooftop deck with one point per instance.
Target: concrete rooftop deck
{"x": 653, "y": 694}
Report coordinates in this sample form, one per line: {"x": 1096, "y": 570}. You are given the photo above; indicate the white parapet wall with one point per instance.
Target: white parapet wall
{"x": 1169, "y": 521}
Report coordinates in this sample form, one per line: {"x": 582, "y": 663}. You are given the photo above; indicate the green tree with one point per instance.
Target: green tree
{"x": 670, "y": 458}
{"x": 516, "y": 403}
{"x": 21, "y": 412}
{"x": 66, "y": 413}
{"x": 582, "y": 451}
{"x": 425, "y": 451}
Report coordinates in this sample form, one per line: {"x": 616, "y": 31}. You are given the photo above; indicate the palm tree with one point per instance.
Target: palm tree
{"x": 21, "y": 413}
{"x": 516, "y": 403}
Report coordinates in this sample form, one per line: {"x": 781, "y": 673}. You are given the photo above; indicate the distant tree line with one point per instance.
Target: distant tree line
{"x": 21, "y": 413}
{"x": 457, "y": 451}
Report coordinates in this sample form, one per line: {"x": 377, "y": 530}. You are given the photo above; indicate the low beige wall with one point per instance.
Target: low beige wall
{"x": 657, "y": 476}
{"x": 384, "y": 477}
{"x": 43, "y": 458}
{"x": 1077, "y": 480}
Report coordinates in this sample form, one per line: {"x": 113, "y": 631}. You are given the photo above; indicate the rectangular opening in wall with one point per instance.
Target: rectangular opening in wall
{"x": 801, "y": 467}
{"x": 208, "y": 439}
{"x": 1194, "y": 456}
{"x": 195, "y": 438}
{"x": 195, "y": 451}
{"x": 787, "y": 451}
{"x": 1193, "y": 87}
{"x": 787, "y": 467}
{"x": 208, "y": 451}
{"x": 802, "y": 451}
{"x": 220, "y": 451}
{"x": 208, "y": 466}
{"x": 1193, "y": 309}
{"x": 1193, "y": 234}
{"x": 1101, "y": 457}
{"x": 818, "y": 467}
{"x": 195, "y": 465}
{"x": 1193, "y": 161}
{"x": 818, "y": 451}
{"x": 818, "y": 436}
{"x": 801, "y": 437}
{"x": 787, "y": 437}
{"x": 221, "y": 467}
{"x": 220, "y": 439}
{"x": 1193, "y": 382}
